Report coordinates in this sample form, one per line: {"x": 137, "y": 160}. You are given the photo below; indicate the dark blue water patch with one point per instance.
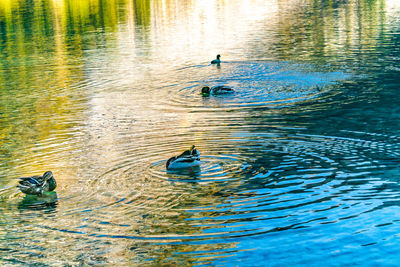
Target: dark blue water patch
{"x": 330, "y": 242}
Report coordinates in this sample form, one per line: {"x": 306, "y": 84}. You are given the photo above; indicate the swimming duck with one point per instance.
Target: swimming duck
{"x": 217, "y": 60}
{"x": 216, "y": 90}
{"x": 189, "y": 158}
{"x": 37, "y": 185}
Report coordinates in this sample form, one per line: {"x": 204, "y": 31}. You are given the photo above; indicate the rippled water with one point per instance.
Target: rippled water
{"x": 299, "y": 166}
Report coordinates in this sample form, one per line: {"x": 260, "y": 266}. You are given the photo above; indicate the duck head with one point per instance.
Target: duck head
{"x": 218, "y": 56}
{"x": 49, "y": 179}
{"x": 194, "y": 151}
{"x": 47, "y": 175}
{"x": 205, "y": 91}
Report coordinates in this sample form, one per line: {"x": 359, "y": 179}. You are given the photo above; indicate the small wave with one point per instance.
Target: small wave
{"x": 257, "y": 84}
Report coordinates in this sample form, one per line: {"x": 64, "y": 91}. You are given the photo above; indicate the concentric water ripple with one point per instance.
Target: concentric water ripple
{"x": 253, "y": 181}
{"x": 256, "y": 84}
{"x": 256, "y": 184}
{"x": 259, "y": 175}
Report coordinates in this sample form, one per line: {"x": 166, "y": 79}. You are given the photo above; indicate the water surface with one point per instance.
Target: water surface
{"x": 300, "y": 166}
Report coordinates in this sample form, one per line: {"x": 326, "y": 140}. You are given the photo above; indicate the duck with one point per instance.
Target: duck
{"x": 216, "y": 90}
{"x": 217, "y": 60}
{"x": 188, "y": 159}
{"x": 37, "y": 185}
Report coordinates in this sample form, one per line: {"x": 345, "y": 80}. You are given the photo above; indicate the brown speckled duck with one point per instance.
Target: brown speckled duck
{"x": 37, "y": 185}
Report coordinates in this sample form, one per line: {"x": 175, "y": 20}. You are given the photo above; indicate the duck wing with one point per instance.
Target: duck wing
{"x": 222, "y": 88}
{"x": 195, "y": 153}
{"x": 189, "y": 154}
{"x": 185, "y": 153}
{"x": 170, "y": 160}
{"x": 186, "y": 159}
{"x": 31, "y": 185}
{"x": 183, "y": 162}
{"x": 32, "y": 181}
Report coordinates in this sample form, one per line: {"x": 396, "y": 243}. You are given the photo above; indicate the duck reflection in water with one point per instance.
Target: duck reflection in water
{"x": 47, "y": 201}
{"x": 191, "y": 172}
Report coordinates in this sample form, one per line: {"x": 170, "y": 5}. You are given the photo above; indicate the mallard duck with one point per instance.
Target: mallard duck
{"x": 189, "y": 158}
{"x": 217, "y": 60}
{"x": 216, "y": 90}
{"x": 37, "y": 185}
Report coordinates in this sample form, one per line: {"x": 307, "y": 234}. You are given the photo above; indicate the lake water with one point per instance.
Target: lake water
{"x": 301, "y": 166}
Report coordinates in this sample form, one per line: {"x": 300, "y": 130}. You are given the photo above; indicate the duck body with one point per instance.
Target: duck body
{"x": 188, "y": 159}
{"x": 216, "y": 90}
{"x": 37, "y": 185}
{"x": 217, "y": 60}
